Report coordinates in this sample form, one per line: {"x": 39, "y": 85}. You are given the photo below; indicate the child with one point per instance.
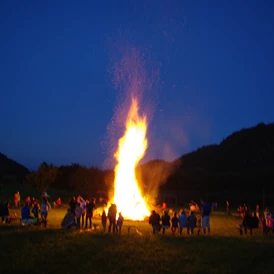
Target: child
{"x": 35, "y": 212}
{"x": 165, "y": 221}
{"x": 104, "y": 220}
{"x": 174, "y": 223}
{"x": 120, "y": 222}
{"x": 45, "y": 208}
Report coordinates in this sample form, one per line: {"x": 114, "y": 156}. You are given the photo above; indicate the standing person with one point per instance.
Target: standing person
{"x": 72, "y": 204}
{"x": 255, "y": 220}
{"x": 258, "y": 211}
{"x": 15, "y": 200}
{"x": 193, "y": 206}
{"x": 174, "y": 223}
{"x": 199, "y": 223}
{"x": 89, "y": 214}
{"x": 182, "y": 221}
{"x": 154, "y": 221}
{"x": 78, "y": 214}
{"x": 58, "y": 202}
{"x": 206, "y": 210}
{"x": 104, "y": 220}
{"x": 263, "y": 225}
{"x": 28, "y": 201}
{"x": 191, "y": 223}
{"x": 45, "y": 208}
{"x": 45, "y": 195}
{"x": 120, "y": 222}
{"x": 35, "y": 211}
{"x": 84, "y": 210}
{"x": 19, "y": 198}
{"x": 270, "y": 221}
{"x": 227, "y": 208}
{"x": 112, "y": 212}
{"x": 165, "y": 221}
{"x": 266, "y": 213}
{"x": 246, "y": 224}
{"x": 79, "y": 199}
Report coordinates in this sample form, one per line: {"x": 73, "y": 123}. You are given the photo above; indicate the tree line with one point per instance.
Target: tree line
{"x": 72, "y": 177}
{"x": 244, "y": 161}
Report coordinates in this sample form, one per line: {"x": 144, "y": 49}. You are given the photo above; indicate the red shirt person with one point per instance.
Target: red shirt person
{"x": 58, "y": 202}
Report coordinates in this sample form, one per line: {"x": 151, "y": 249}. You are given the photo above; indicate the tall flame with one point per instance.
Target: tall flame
{"x": 131, "y": 149}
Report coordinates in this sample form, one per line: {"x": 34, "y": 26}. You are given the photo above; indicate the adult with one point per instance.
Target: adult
{"x": 112, "y": 212}
{"x": 15, "y": 200}
{"x": 227, "y": 208}
{"x": 89, "y": 212}
{"x": 58, "y": 202}
{"x": 78, "y": 214}
{"x": 19, "y": 198}
{"x": 28, "y": 201}
{"x": 182, "y": 221}
{"x": 84, "y": 210}
{"x": 255, "y": 220}
{"x": 193, "y": 206}
{"x": 191, "y": 223}
{"x": 68, "y": 220}
{"x": 206, "y": 210}
{"x": 270, "y": 221}
{"x": 248, "y": 223}
{"x": 45, "y": 195}
{"x": 154, "y": 221}
{"x": 258, "y": 211}
{"x": 72, "y": 204}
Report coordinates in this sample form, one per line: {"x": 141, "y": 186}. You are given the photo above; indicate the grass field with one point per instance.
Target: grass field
{"x": 53, "y": 250}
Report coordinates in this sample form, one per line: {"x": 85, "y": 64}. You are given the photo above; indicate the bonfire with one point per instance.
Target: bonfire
{"x": 131, "y": 149}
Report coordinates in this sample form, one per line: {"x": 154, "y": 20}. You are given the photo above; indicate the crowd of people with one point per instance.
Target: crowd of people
{"x": 30, "y": 211}
{"x": 255, "y": 220}
{"x": 36, "y": 209}
{"x": 194, "y": 220}
{"x": 80, "y": 215}
{"x": 81, "y": 212}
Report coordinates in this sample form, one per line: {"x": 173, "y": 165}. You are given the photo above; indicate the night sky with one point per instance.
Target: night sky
{"x": 214, "y": 62}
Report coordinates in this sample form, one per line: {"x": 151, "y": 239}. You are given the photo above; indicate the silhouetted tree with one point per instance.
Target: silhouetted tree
{"x": 45, "y": 176}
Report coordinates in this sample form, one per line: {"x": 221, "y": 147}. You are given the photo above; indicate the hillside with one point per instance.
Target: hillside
{"x": 244, "y": 161}
{"x": 11, "y": 171}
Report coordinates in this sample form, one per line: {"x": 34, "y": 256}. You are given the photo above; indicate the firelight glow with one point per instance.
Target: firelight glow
{"x": 131, "y": 149}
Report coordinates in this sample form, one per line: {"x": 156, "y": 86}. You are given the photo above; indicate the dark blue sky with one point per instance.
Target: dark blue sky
{"x": 216, "y": 61}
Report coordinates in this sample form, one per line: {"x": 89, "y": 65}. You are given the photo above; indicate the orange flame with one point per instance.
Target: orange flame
{"x": 131, "y": 149}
